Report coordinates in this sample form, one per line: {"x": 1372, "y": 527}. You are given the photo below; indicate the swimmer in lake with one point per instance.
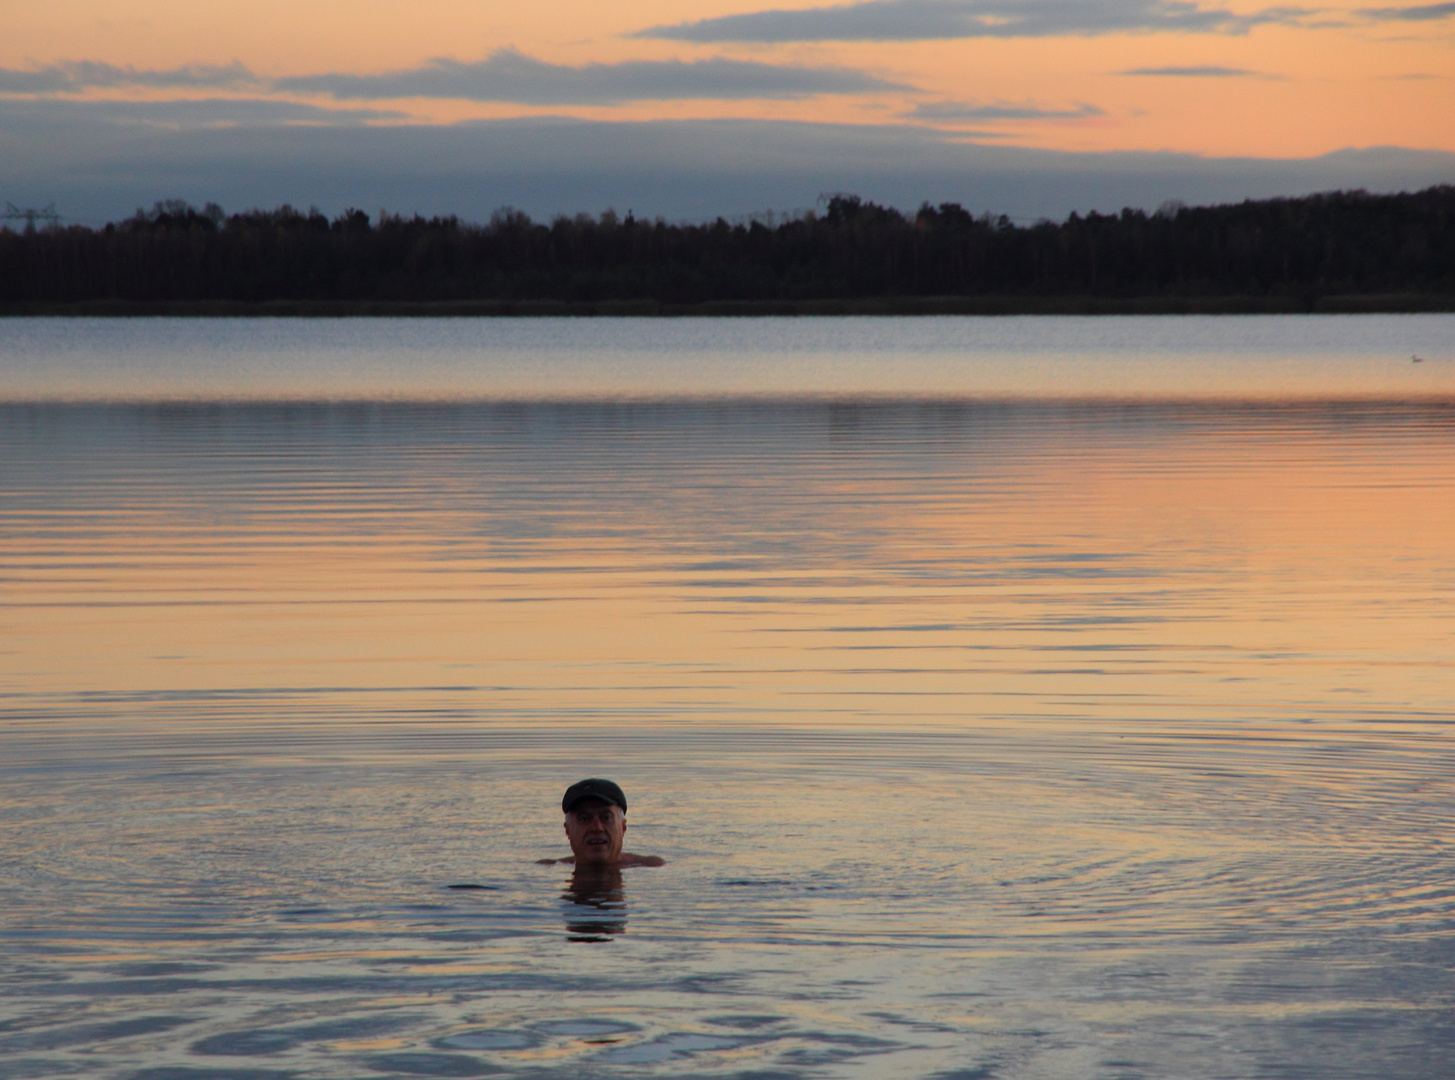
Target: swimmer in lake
{"x": 596, "y": 826}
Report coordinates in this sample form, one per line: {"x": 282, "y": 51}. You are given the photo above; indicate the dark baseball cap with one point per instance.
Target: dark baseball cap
{"x": 594, "y": 788}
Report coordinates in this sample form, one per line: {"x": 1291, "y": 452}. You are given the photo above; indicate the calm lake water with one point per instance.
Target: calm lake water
{"x": 1011, "y": 698}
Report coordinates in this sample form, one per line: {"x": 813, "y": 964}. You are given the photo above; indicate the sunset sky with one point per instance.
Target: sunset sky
{"x": 1217, "y": 80}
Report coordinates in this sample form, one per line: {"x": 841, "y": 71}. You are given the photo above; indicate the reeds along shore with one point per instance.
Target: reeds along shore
{"x": 1346, "y": 251}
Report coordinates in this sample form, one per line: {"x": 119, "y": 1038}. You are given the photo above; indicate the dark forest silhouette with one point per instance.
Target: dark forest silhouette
{"x": 1298, "y": 249}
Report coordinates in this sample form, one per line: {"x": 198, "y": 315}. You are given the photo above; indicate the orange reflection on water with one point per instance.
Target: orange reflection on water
{"x": 980, "y": 568}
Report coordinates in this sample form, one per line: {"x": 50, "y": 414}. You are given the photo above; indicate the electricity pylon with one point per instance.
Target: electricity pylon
{"x": 30, "y": 215}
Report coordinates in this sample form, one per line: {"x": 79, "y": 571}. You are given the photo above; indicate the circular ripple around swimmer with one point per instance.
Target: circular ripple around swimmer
{"x": 181, "y": 1072}
{"x": 586, "y": 1029}
{"x": 428, "y": 1065}
{"x": 245, "y": 1043}
{"x": 670, "y": 1047}
{"x": 486, "y": 1039}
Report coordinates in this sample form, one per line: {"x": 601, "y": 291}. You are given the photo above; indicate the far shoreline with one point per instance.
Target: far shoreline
{"x": 1356, "y": 304}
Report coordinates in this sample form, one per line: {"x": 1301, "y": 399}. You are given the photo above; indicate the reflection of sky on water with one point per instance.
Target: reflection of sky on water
{"x": 1142, "y": 357}
{"x": 1045, "y": 739}
{"x": 857, "y": 566}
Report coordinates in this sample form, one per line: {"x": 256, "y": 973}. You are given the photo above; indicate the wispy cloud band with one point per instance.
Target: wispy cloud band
{"x": 509, "y": 76}
{"x": 950, "y": 111}
{"x": 1207, "y": 71}
{"x": 919, "y": 20}
{"x": 74, "y": 76}
{"x": 1419, "y": 13}
{"x": 186, "y": 114}
{"x": 506, "y": 76}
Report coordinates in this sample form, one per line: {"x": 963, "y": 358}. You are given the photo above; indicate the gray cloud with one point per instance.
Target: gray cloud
{"x": 509, "y": 76}
{"x": 193, "y": 113}
{"x": 1421, "y": 13}
{"x": 1206, "y": 72}
{"x": 951, "y": 110}
{"x": 244, "y": 111}
{"x": 917, "y": 20}
{"x": 73, "y": 76}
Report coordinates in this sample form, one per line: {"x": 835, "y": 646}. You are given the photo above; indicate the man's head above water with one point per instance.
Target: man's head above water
{"x": 595, "y": 821}
{"x": 595, "y": 825}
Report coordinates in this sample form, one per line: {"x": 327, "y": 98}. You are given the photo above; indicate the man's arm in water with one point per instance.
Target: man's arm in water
{"x": 627, "y": 859}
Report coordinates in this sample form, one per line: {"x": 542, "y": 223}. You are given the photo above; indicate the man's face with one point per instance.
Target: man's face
{"x": 596, "y": 829}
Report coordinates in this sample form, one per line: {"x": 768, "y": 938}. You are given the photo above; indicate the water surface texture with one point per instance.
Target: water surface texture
{"x": 1183, "y": 357}
{"x": 1037, "y": 736}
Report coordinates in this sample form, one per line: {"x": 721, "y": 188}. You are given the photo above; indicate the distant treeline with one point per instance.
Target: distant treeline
{"x": 1341, "y": 244}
